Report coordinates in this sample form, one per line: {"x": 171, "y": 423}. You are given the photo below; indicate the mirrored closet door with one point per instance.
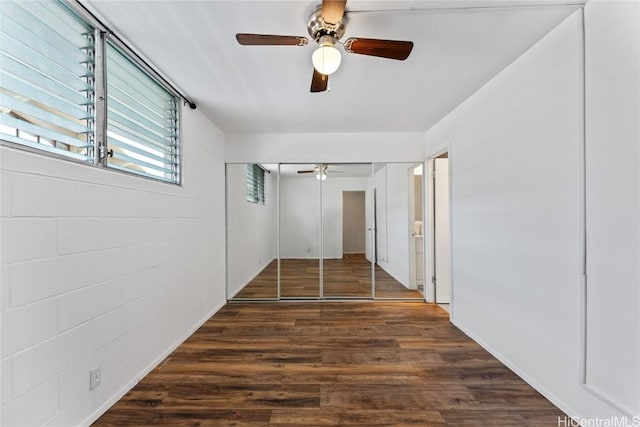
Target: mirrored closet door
{"x": 252, "y": 240}
{"x": 347, "y": 223}
{"x": 398, "y": 240}
{"x": 325, "y": 231}
{"x": 300, "y": 231}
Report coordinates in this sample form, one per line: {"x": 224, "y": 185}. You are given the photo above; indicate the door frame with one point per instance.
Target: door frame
{"x": 364, "y": 218}
{"x": 430, "y": 227}
{"x": 413, "y": 259}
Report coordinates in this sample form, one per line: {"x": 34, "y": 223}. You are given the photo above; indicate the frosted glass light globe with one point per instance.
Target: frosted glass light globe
{"x": 326, "y": 59}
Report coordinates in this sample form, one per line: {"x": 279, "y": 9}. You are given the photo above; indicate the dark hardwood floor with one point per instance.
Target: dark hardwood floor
{"x": 349, "y": 277}
{"x": 331, "y": 364}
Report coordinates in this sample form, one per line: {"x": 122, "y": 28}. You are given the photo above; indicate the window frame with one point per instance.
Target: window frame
{"x": 98, "y": 149}
{"x": 258, "y": 187}
{"x": 130, "y": 56}
{"x": 59, "y": 65}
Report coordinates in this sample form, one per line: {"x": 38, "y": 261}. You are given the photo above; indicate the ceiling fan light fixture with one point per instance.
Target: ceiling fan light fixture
{"x": 326, "y": 26}
{"x": 323, "y": 175}
{"x": 326, "y": 59}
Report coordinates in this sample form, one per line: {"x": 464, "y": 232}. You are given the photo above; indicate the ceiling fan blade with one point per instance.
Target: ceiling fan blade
{"x": 310, "y": 171}
{"x": 332, "y": 10}
{"x": 270, "y": 40}
{"x": 319, "y": 81}
{"x": 392, "y": 49}
{"x": 335, "y": 171}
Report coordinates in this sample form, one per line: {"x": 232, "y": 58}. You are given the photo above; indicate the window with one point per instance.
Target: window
{"x": 51, "y": 74}
{"x": 255, "y": 183}
{"x": 46, "y": 69}
{"x": 142, "y": 121}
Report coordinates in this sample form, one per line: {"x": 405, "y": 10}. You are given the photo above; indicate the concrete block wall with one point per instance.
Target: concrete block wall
{"x": 102, "y": 269}
{"x": 520, "y": 220}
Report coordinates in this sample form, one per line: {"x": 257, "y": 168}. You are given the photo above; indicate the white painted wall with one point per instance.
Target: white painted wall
{"x": 368, "y": 237}
{"x": 103, "y": 269}
{"x": 613, "y": 200}
{"x": 442, "y": 231}
{"x": 515, "y": 153}
{"x": 251, "y": 228}
{"x": 300, "y": 214}
{"x": 380, "y": 186}
{"x": 325, "y": 147}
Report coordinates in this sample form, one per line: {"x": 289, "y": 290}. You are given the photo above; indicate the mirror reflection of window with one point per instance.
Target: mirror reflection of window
{"x": 255, "y": 183}
{"x": 252, "y": 266}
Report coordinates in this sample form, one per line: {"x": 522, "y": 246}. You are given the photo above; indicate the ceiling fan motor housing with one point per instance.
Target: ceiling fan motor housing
{"x": 318, "y": 28}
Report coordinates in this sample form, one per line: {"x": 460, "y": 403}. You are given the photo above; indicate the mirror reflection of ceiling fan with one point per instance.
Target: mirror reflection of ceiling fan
{"x": 326, "y": 25}
{"x": 320, "y": 167}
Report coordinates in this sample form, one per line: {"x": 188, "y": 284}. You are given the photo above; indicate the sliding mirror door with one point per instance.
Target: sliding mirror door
{"x": 364, "y": 220}
{"x": 346, "y": 235}
{"x": 300, "y": 231}
{"x": 398, "y": 240}
{"x": 252, "y": 244}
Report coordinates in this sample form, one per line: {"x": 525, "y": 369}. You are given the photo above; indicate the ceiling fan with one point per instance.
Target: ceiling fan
{"x": 326, "y": 26}
{"x": 320, "y": 167}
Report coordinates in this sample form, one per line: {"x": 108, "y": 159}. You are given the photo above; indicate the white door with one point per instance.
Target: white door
{"x": 442, "y": 238}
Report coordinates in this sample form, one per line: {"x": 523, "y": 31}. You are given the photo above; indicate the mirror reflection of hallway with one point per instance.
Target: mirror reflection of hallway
{"x": 346, "y": 218}
{"x": 394, "y": 225}
{"x": 416, "y": 251}
{"x": 312, "y": 231}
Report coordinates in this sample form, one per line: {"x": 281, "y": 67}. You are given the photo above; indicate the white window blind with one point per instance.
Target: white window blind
{"x": 46, "y": 78}
{"x": 142, "y": 121}
{"x": 255, "y": 183}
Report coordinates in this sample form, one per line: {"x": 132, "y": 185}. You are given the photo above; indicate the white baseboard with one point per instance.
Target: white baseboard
{"x": 627, "y": 412}
{"x": 98, "y": 412}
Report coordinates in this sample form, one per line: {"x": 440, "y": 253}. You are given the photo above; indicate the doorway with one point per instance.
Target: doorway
{"x": 416, "y": 240}
{"x": 353, "y": 224}
{"x": 441, "y": 231}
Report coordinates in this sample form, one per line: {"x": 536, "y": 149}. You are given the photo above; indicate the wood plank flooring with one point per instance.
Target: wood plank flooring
{"x": 349, "y": 277}
{"x": 331, "y": 364}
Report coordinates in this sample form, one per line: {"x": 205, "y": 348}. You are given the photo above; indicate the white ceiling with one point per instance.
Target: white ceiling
{"x": 458, "y": 46}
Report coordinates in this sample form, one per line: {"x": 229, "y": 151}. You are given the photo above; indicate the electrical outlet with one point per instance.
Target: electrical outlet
{"x": 95, "y": 378}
